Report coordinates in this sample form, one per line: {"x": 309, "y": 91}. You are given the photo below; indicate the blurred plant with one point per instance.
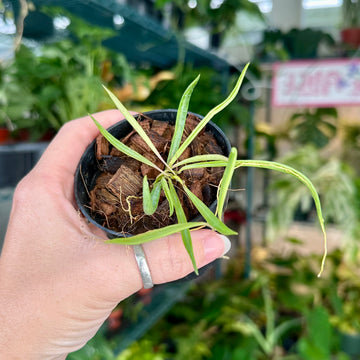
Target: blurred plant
{"x": 336, "y": 184}
{"x": 271, "y": 48}
{"x": 143, "y": 350}
{"x": 350, "y": 13}
{"x": 216, "y": 16}
{"x": 282, "y": 312}
{"x": 44, "y": 87}
{"x": 98, "y": 348}
{"x": 350, "y": 145}
{"x": 318, "y": 344}
{"x": 316, "y": 127}
{"x": 269, "y": 338}
{"x": 298, "y": 46}
{"x": 343, "y": 294}
{"x": 293, "y": 44}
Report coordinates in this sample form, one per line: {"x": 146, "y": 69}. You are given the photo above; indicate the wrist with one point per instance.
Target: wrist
{"x": 20, "y": 336}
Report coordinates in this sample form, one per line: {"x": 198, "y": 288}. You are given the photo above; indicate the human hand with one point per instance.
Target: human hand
{"x": 58, "y": 283}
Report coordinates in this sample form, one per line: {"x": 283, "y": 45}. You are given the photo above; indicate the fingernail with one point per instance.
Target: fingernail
{"x": 216, "y": 246}
{"x": 227, "y": 244}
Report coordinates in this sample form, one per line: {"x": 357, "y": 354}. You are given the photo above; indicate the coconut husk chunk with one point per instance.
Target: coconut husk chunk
{"x": 210, "y": 144}
{"x": 110, "y": 164}
{"x": 159, "y": 127}
{"x": 191, "y": 122}
{"x": 101, "y": 199}
{"x": 195, "y": 174}
{"x": 125, "y": 182}
{"x": 140, "y": 145}
{"x": 102, "y": 147}
{"x": 145, "y": 122}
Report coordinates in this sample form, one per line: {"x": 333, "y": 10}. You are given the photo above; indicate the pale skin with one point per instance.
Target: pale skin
{"x": 58, "y": 281}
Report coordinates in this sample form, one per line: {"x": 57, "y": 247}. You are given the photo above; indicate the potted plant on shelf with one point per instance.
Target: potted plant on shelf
{"x": 350, "y": 33}
{"x": 164, "y": 167}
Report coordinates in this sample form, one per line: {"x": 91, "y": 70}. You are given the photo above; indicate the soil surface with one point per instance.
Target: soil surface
{"x": 117, "y": 195}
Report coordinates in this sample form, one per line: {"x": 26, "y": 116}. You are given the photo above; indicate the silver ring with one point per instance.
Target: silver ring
{"x": 143, "y": 267}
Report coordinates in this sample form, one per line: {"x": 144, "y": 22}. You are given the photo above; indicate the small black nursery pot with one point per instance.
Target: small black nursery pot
{"x": 88, "y": 169}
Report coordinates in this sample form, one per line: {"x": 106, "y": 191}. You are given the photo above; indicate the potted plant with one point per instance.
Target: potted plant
{"x": 350, "y": 34}
{"x": 163, "y": 176}
{"x": 313, "y": 126}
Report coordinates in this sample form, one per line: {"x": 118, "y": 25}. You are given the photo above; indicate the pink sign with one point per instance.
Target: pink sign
{"x": 318, "y": 83}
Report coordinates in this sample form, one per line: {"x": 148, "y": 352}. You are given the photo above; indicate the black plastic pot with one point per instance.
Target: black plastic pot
{"x": 88, "y": 170}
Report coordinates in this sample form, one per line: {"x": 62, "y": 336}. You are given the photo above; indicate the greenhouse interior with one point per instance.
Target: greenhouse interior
{"x": 104, "y": 272}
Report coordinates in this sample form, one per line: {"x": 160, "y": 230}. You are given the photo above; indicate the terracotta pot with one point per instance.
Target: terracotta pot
{"x": 351, "y": 36}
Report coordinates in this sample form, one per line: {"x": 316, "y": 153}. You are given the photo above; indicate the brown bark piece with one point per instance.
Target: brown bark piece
{"x": 197, "y": 147}
{"x": 159, "y": 127}
{"x": 210, "y": 144}
{"x": 132, "y": 164}
{"x": 158, "y": 141}
{"x": 150, "y": 171}
{"x": 101, "y": 200}
{"x": 116, "y": 152}
{"x": 144, "y": 121}
{"x": 215, "y": 175}
{"x": 125, "y": 140}
{"x": 102, "y": 147}
{"x": 196, "y": 174}
{"x": 191, "y": 122}
{"x": 125, "y": 182}
{"x": 186, "y": 154}
{"x": 110, "y": 164}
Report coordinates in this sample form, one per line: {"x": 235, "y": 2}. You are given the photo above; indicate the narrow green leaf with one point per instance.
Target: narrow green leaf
{"x": 155, "y": 234}
{"x": 208, "y": 215}
{"x": 201, "y": 158}
{"x": 122, "y": 147}
{"x": 185, "y": 234}
{"x": 181, "y": 118}
{"x": 225, "y": 182}
{"x": 166, "y": 189}
{"x": 302, "y": 178}
{"x": 215, "y": 163}
{"x": 209, "y": 116}
{"x": 155, "y": 194}
{"x": 147, "y": 203}
{"x": 134, "y": 123}
{"x": 150, "y": 199}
